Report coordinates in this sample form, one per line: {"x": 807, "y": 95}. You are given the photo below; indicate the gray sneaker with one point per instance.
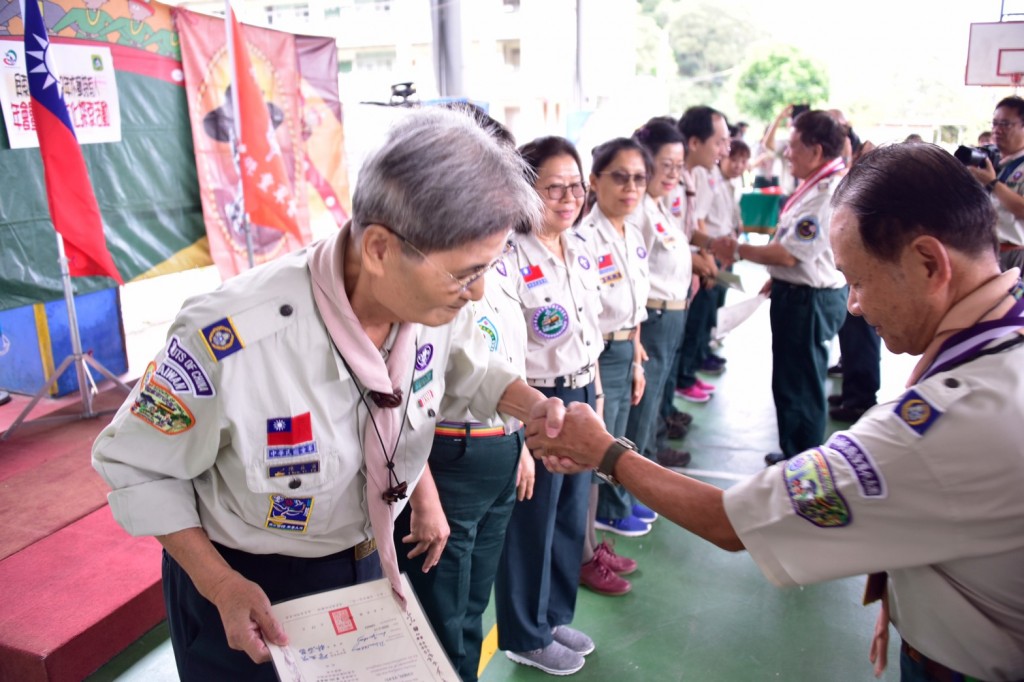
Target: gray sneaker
{"x": 554, "y": 659}
{"x": 573, "y": 639}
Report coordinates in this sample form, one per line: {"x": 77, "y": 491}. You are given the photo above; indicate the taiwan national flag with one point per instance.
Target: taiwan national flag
{"x": 265, "y": 184}
{"x": 73, "y": 207}
{"x": 290, "y": 430}
{"x": 532, "y": 276}
{"x": 605, "y": 263}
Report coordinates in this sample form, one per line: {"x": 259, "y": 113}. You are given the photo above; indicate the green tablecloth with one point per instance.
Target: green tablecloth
{"x": 760, "y": 211}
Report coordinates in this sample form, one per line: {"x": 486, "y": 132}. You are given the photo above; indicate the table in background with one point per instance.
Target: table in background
{"x": 760, "y": 211}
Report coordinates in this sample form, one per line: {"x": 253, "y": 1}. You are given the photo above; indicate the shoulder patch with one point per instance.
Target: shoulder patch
{"x": 490, "y": 331}
{"x": 869, "y": 477}
{"x": 917, "y": 413}
{"x": 812, "y": 490}
{"x": 183, "y": 373}
{"x": 221, "y": 339}
{"x": 807, "y": 228}
{"x": 157, "y": 405}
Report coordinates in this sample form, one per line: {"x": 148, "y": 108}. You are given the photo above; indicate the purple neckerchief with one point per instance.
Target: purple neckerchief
{"x": 965, "y": 344}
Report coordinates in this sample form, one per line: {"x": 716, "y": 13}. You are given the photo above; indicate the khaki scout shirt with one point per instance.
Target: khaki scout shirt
{"x": 804, "y": 232}
{"x": 560, "y": 302}
{"x": 249, "y": 426}
{"x": 723, "y": 218}
{"x": 926, "y": 487}
{"x": 622, "y": 266}
{"x": 499, "y": 319}
{"x": 668, "y": 251}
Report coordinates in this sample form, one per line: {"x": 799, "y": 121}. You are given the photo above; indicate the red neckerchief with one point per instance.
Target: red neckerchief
{"x": 833, "y": 166}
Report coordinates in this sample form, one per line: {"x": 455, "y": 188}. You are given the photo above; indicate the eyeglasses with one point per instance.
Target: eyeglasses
{"x": 557, "y": 192}
{"x": 466, "y": 282}
{"x": 669, "y": 168}
{"x": 622, "y": 179}
{"x": 1003, "y": 123}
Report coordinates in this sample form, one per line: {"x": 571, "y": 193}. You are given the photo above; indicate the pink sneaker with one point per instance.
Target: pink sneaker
{"x": 693, "y": 394}
{"x": 705, "y": 386}
{"x": 618, "y": 564}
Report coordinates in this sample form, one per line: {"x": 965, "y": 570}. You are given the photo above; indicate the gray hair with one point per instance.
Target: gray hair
{"x": 440, "y": 181}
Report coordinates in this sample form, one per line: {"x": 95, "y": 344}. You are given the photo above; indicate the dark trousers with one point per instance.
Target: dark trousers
{"x": 539, "y": 570}
{"x": 861, "y": 350}
{"x": 661, "y": 335}
{"x": 476, "y": 481}
{"x": 699, "y": 320}
{"x": 616, "y": 367}
{"x": 804, "y": 320}
{"x": 201, "y": 650}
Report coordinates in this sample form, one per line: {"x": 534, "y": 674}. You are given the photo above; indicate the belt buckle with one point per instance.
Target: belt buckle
{"x": 365, "y": 548}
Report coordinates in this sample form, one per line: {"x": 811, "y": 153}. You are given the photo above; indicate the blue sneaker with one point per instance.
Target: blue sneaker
{"x": 644, "y": 514}
{"x": 630, "y": 527}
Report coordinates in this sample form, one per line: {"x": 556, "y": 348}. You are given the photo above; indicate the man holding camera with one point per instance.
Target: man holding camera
{"x": 1005, "y": 184}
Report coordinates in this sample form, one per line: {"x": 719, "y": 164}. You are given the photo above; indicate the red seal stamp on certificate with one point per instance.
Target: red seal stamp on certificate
{"x": 342, "y": 621}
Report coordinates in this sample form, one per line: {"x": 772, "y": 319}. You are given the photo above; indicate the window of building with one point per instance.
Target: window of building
{"x": 510, "y": 54}
{"x": 378, "y": 60}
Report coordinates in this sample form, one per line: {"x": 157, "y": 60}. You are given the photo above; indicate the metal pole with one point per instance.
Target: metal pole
{"x": 76, "y": 338}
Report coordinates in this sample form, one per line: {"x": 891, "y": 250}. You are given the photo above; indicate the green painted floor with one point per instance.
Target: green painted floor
{"x": 695, "y": 612}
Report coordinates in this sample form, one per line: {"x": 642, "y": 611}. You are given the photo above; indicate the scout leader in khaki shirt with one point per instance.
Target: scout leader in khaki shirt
{"x": 561, "y": 302}
{"x": 623, "y": 269}
{"x": 803, "y": 231}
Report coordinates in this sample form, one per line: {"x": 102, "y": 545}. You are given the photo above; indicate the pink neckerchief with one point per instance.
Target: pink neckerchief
{"x": 326, "y": 267}
{"x": 833, "y": 166}
{"x": 988, "y": 302}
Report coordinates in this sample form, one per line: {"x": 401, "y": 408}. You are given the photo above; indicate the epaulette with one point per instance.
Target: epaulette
{"x": 229, "y": 334}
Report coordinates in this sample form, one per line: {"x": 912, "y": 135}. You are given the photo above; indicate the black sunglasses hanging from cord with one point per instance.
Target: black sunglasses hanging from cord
{"x": 398, "y": 489}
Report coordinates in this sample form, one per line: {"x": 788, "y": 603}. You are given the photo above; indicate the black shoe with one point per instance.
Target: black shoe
{"x": 847, "y": 414}
{"x": 836, "y": 370}
{"x": 668, "y": 457}
{"x": 774, "y": 458}
{"x": 835, "y": 400}
{"x": 676, "y": 431}
{"x": 684, "y": 418}
{"x": 5, "y": 397}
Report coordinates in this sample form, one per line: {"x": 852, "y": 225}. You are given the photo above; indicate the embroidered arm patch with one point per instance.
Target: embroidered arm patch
{"x": 812, "y": 490}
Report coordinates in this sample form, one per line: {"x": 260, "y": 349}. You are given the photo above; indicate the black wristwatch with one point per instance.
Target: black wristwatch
{"x": 991, "y": 185}
{"x": 606, "y": 470}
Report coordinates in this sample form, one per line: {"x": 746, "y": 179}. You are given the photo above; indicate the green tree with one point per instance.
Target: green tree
{"x": 707, "y": 42}
{"x": 779, "y": 76}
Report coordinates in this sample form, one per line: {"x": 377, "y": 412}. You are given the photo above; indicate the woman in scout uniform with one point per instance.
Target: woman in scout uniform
{"x": 478, "y": 467}
{"x": 556, "y": 278}
{"x": 618, "y": 179}
{"x": 292, "y": 411}
{"x": 670, "y": 273}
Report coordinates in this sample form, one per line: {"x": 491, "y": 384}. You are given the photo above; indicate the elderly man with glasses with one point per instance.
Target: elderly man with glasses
{"x": 1005, "y": 184}
{"x": 272, "y": 442}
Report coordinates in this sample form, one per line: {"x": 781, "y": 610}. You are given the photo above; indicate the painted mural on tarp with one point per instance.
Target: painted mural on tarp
{"x": 147, "y": 186}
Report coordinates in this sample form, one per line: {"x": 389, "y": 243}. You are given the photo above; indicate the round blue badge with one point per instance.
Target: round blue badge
{"x": 584, "y": 262}
{"x": 500, "y": 267}
{"x": 424, "y": 354}
{"x": 641, "y": 252}
{"x": 551, "y": 321}
{"x": 807, "y": 228}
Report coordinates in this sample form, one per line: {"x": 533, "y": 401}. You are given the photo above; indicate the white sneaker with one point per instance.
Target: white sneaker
{"x": 573, "y": 639}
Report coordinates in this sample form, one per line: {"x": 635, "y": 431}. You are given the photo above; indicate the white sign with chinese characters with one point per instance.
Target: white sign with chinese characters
{"x": 359, "y": 634}
{"x": 87, "y": 80}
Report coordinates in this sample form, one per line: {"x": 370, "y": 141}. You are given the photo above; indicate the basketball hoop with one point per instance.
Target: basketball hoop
{"x": 1015, "y": 79}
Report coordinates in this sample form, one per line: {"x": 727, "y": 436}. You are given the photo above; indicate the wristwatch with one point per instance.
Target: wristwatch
{"x": 991, "y": 185}
{"x": 606, "y": 470}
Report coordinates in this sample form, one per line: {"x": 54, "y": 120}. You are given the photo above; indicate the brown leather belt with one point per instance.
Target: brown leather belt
{"x": 658, "y": 304}
{"x": 936, "y": 671}
{"x": 621, "y": 335}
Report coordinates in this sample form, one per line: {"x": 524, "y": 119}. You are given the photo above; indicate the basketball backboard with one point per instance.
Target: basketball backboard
{"x": 995, "y": 54}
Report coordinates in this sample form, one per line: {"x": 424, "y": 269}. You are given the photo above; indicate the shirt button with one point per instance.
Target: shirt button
{"x": 588, "y": 343}
{"x": 294, "y": 483}
{"x": 431, "y": 413}
{"x": 286, "y": 310}
{"x": 951, "y": 382}
{"x": 580, "y": 309}
{"x": 547, "y": 299}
